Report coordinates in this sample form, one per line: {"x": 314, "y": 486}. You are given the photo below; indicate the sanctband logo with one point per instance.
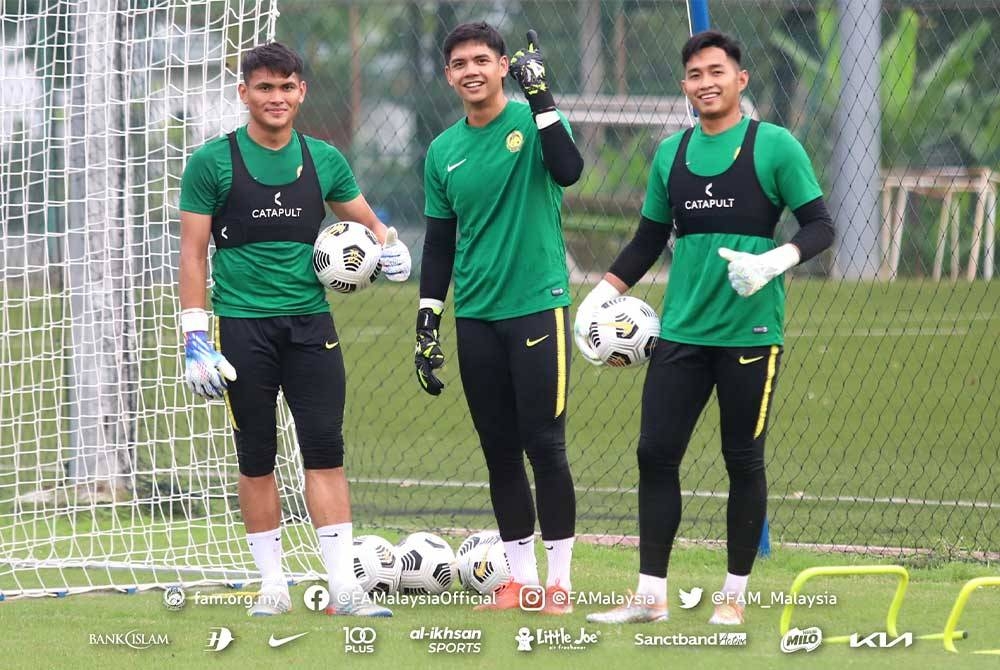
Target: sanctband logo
{"x": 806, "y": 639}
{"x": 133, "y": 639}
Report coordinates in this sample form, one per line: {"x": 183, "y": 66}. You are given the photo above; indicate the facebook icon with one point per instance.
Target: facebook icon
{"x": 316, "y": 598}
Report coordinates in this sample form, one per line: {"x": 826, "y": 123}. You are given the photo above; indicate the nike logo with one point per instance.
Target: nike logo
{"x": 331, "y": 345}
{"x": 275, "y": 642}
{"x": 523, "y": 542}
{"x": 334, "y": 535}
{"x": 455, "y": 165}
{"x": 550, "y": 547}
{"x": 530, "y": 342}
{"x": 748, "y": 361}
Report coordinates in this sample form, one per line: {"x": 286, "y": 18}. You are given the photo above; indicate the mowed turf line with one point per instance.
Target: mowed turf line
{"x": 55, "y": 632}
{"x": 886, "y": 390}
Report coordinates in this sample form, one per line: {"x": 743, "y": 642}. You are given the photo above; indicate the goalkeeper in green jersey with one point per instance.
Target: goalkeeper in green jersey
{"x": 493, "y": 190}
{"x": 260, "y": 192}
{"x": 720, "y": 188}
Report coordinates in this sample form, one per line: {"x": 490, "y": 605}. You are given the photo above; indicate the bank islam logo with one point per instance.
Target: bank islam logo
{"x": 690, "y": 599}
{"x": 219, "y": 638}
{"x": 555, "y": 638}
{"x": 173, "y": 598}
{"x": 806, "y": 639}
{"x": 133, "y": 639}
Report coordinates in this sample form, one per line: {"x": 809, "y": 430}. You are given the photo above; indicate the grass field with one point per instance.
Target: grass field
{"x": 884, "y": 434}
{"x": 55, "y": 632}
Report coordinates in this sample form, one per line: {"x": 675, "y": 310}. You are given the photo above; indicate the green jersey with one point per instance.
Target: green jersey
{"x": 725, "y": 192}
{"x": 510, "y": 259}
{"x": 273, "y": 278}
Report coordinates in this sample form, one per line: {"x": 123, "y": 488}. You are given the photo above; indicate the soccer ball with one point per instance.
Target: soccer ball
{"x": 428, "y": 564}
{"x": 475, "y": 540}
{"x": 484, "y": 568}
{"x": 624, "y": 331}
{"x": 376, "y": 565}
{"x": 347, "y": 257}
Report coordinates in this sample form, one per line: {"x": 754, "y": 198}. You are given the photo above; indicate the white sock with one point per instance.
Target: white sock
{"x": 266, "y": 550}
{"x": 653, "y": 586}
{"x": 735, "y": 584}
{"x": 336, "y": 545}
{"x": 559, "y": 554}
{"x": 521, "y": 556}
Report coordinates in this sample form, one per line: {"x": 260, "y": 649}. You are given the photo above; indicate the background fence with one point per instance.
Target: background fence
{"x": 885, "y": 429}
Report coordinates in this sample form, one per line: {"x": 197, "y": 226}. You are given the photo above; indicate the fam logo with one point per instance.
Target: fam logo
{"x": 555, "y": 638}
{"x": 173, "y": 598}
{"x": 515, "y": 140}
{"x": 806, "y": 639}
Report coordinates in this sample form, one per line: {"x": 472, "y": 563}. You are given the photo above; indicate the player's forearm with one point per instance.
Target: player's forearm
{"x": 559, "y": 153}
{"x": 438, "y": 258}
{"x": 641, "y": 252}
{"x": 816, "y": 231}
{"x": 192, "y": 278}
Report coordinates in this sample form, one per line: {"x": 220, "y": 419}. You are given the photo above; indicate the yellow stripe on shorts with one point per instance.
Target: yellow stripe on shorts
{"x": 225, "y": 394}
{"x": 560, "y": 360}
{"x": 772, "y": 366}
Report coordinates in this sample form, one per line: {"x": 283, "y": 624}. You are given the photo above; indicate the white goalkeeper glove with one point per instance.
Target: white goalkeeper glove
{"x": 599, "y": 295}
{"x": 749, "y": 273}
{"x": 395, "y": 257}
{"x": 205, "y": 369}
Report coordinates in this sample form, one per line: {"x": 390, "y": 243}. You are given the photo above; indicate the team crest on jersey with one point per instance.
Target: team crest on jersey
{"x": 514, "y": 141}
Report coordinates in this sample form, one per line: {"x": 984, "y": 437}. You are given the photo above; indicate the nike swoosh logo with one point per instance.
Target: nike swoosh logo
{"x": 523, "y": 542}
{"x": 550, "y": 547}
{"x": 276, "y": 642}
{"x": 455, "y": 165}
{"x": 331, "y": 345}
{"x": 334, "y": 535}
{"x": 748, "y": 361}
{"x": 529, "y": 342}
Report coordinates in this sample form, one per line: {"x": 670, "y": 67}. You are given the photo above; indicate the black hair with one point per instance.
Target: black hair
{"x": 479, "y": 32}
{"x": 273, "y": 56}
{"x": 710, "y": 38}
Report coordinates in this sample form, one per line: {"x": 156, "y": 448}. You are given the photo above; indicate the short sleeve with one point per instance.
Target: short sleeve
{"x": 199, "y": 183}
{"x": 436, "y": 203}
{"x": 343, "y": 187}
{"x": 794, "y": 176}
{"x": 656, "y": 207}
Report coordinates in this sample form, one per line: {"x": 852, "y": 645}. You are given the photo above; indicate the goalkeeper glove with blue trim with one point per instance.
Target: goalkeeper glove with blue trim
{"x": 205, "y": 369}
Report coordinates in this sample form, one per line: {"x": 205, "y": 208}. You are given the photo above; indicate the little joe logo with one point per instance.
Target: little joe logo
{"x": 556, "y": 638}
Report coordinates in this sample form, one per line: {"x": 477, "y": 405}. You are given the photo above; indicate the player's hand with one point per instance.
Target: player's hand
{"x": 528, "y": 69}
{"x": 749, "y": 273}
{"x": 395, "y": 257}
{"x": 599, "y": 295}
{"x": 428, "y": 356}
{"x": 205, "y": 369}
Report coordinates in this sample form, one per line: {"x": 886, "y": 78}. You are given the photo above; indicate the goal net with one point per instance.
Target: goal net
{"x": 111, "y": 475}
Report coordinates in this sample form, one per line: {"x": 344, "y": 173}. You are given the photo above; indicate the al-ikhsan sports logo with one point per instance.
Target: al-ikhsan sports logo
{"x": 515, "y": 139}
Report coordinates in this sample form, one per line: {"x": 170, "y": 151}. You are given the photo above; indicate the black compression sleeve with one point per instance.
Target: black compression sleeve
{"x": 561, "y": 157}
{"x": 639, "y": 255}
{"x": 816, "y": 229}
{"x": 438, "y": 259}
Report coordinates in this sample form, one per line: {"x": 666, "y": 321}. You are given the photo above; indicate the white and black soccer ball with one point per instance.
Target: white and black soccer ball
{"x": 475, "y": 540}
{"x": 484, "y": 568}
{"x": 347, "y": 257}
{"x": 624, "y": 332}
{"x": 376, "y": 565}
{"x": 428, "y": 564}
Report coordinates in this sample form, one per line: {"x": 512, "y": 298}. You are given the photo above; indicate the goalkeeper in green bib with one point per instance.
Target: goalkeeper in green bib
{"x": 720, "y": 188}
{"x": 493, "y": 191}
{"x": 261, "y": 193}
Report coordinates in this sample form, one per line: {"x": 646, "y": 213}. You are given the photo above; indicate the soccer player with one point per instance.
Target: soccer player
{"x": 259, "y": 192}
{"x": 495, "y": 178}
{"x": 721, "y": 187}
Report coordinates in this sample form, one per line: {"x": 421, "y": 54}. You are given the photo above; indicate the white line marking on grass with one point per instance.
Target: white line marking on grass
{"x": 894, "y": 500}
{"x": 861, "y": 331}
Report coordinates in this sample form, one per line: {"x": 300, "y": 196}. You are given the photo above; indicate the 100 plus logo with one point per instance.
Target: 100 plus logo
{"x": 359, "y": 639}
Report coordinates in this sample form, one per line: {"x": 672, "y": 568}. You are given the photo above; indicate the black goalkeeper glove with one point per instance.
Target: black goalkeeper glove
{"x": 528, "y": 70}
{"x": 428, "y": 357}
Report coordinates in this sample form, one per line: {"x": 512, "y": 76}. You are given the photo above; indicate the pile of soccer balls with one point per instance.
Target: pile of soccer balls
{"x": 424, "y": 563}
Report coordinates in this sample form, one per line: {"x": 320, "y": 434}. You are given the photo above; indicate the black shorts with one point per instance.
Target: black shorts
{"x": 302, "y": 356}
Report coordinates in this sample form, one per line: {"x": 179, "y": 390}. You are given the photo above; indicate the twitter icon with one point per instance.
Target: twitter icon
{"x": 690, "y": 599}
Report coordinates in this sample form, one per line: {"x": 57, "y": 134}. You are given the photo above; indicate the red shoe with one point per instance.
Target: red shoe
{"x": 507, "y": 596}
{"x": 557, "y": 600}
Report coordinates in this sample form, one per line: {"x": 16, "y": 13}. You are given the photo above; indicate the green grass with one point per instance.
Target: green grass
{"x": 55, "y": 632}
